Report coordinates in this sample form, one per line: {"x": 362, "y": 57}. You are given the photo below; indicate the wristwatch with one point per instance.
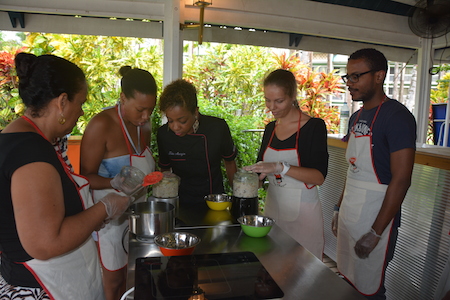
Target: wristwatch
{"x": 286, "y": 168}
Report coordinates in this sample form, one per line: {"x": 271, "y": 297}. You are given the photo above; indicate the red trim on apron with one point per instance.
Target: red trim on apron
{"x": 38, "y": 280}
{"x": 61, "y": 160}
{"x": 296, "y": 145}
{"x": 370, "y": 135}
{"x": 207, "y": 160}
{"x": 83, "y": 254}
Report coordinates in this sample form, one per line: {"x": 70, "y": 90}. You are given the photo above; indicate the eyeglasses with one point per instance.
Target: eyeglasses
{"x": 354, "y": 77}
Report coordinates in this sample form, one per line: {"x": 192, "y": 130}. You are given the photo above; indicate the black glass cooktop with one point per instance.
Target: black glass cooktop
{"x": 232, "y": 276}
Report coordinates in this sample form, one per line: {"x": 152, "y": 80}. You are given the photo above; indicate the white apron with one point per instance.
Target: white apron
{"x": 363, "y": 198}
{"x": 112, "y": 254}
{"x": 294, "y": 205}
{"x": 74, "y": 275}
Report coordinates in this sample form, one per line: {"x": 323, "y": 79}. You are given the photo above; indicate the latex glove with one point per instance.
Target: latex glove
{"x": 129, "y": 180}
{"x": 115, "y": 205}
{"x": 366, "y": 244}
{"x": 265, "y": 168}
{"x": 334, "y": 223}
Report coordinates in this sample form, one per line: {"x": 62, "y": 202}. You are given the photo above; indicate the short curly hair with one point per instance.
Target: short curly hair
{"x": 179, "y": 93}
{"x": 374, "y": 58}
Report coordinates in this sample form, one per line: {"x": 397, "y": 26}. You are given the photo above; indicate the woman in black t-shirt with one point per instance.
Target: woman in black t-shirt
{"x": 46, "y": 215}
{"x": 193, "y": 145}
{"x": 294, "y": 158}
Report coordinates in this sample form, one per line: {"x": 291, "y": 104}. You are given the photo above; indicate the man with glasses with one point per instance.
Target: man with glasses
{"x": 380, "y": 152}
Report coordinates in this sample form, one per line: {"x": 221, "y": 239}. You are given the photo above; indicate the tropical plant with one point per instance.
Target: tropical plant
{"x": 11, "y": 105}
{"x": 230, "y": 76}
{"x": 100, "y": 58}
{"x": 440, "y": 94}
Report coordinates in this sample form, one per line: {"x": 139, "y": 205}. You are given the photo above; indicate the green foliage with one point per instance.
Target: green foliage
{"x": 442, "y": 68}
{"x": 11, "y": 105}
{"x": 10, "y": 45}
{"x": 440, "y": 94}
{"x": 230, "y": 76}
{"x": 100, "y": 58}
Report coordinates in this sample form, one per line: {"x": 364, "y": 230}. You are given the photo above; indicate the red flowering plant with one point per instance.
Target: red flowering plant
{"x": 10, "y": 104}
{"x": 316, "y": 86}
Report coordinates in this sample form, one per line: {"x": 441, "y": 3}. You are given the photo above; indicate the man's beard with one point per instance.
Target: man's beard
{"x": 365, "y": 97}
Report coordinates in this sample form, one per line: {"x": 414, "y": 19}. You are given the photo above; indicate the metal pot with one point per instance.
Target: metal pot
{"x": 173, "y": 200}
{"x": 148, "y": 219}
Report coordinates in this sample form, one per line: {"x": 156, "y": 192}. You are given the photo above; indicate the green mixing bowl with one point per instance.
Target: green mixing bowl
{"x": 256, "y": 225}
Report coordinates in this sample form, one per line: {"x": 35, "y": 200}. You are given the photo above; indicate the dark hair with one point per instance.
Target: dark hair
{"x": 179, "y": 93}
{"x": 137, "y": 80}
{"x": 374, "y": 58}
{"x": 43, "y": 78}
{"x": 284, "y": 79}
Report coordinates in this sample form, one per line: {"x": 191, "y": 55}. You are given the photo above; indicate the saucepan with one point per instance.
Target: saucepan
{"x": 149, "y": 219}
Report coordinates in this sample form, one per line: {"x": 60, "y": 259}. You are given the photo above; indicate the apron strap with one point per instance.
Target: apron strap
{"x": 128, "y": 139}
{"x": 66, "y": 168}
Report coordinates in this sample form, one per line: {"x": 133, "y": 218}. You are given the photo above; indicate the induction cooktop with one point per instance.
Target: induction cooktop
{"x": 232, "y": 276}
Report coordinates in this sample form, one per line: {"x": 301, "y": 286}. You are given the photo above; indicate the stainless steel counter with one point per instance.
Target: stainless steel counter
{"x": 299, "y": 274}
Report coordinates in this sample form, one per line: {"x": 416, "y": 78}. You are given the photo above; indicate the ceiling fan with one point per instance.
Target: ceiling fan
{"x": 430, "y": 18}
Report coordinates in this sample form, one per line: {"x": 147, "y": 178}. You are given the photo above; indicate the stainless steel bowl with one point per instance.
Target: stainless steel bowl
{"x": 218, "y": 201}
{"x": 148, "y": 219}
{"x": 176, "y": 243}
{"x": 218, "y": 198}
{"x": 255, "y": 225}
{"x": 256, "y": 221}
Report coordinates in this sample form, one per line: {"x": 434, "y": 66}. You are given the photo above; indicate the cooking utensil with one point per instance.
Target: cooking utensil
{"x": 177, "y": 243}
{"x": 148, "y": 219}
{"x": 218, "y": 201}
{"x": 175, "y": 201}
{"x": 245, "y": 193}
{"x": 167, "y": 187}
{"x": 256, "y": 225}
{"x": 152, "y": 178}
{"x": 149, "y": 179}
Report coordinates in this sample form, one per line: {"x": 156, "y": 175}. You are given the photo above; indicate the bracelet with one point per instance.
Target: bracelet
{"x": 336, "y": 208}
{"x": 374, "y": 233}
